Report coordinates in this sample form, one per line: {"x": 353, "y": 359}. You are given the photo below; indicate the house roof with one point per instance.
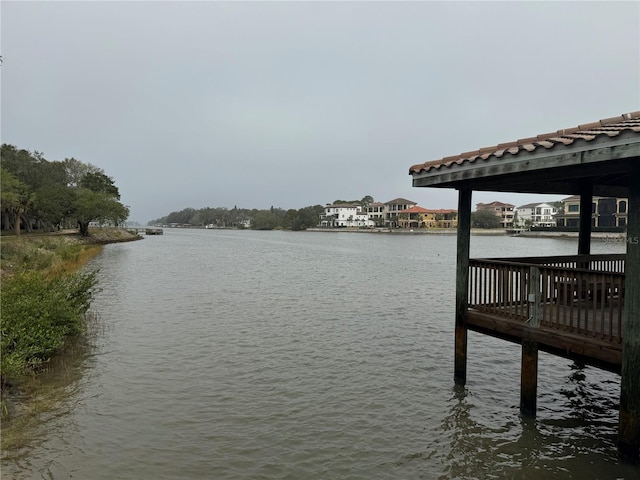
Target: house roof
{"x": 558, "y": 159}
{"x": 415, "y": 209}
{"x": 442, "y": 210}
{"x": 343, "y": 205}
{"x": 400, "y": 201}
{"x": 529, "y": 205}
{"x": 496, "y": 204}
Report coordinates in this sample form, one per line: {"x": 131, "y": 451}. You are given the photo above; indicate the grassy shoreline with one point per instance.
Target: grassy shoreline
{"x": 45, "y": 296}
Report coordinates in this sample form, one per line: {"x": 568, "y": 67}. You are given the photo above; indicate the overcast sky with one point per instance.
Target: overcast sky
{"x": 290, "y": 104}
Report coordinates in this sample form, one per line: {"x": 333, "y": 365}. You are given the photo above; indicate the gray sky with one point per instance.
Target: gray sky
{"x": 254, "y": 104}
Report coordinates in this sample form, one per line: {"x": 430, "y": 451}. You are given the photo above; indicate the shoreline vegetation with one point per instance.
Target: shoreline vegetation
{"x": 45, "y": 298}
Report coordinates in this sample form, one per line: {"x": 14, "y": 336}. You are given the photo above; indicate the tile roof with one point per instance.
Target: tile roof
{"x": 415, "y": 209}
{"x": 610, "y": 127}
{"x": 496, "y": 204}
{"x": 400, "y": 201}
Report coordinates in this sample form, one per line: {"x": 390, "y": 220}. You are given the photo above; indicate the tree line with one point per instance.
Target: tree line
{"x": 45, "y": 195}
{"x": 270, "y": 219}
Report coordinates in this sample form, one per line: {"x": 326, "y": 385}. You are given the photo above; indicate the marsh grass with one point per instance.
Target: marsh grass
{"x": 45, "y": 394}
{"x": 44, "y": 300}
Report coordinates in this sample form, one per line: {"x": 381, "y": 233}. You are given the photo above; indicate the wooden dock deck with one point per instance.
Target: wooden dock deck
{"x": 571, "y": 306}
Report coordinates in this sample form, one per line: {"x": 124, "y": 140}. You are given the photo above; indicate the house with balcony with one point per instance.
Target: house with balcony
{"x": 345, "y": 215}
{"x": 392, "y": 208}
{"x": 442, "y": 218}
{"x": 375, "y": 211}
{"x": 606, "y": 212}
{"x": 419, "y": 217}
{"x": 500, "y": 209}
{"x": 413, "y": 217}
{"x": 534, "y": 215}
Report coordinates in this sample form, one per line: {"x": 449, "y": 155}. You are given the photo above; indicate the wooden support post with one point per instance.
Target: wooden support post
{"x": 462, "y": 284}
{"x": 584, "y": 236}
{"x": 529, "y": 378}
{"x": 529, "y": 364}
{"x": 629, "y": 420}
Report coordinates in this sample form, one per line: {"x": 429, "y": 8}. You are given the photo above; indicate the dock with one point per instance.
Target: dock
{"x": 147, "y": 231}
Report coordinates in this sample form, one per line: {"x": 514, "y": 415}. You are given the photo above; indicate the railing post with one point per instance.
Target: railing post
{"x": 529, "y": 364}
{"x": 534, "y": 297}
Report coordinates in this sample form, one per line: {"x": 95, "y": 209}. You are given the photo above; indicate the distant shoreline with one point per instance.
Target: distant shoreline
{"x": 406, "y": 231}
{"x": 612, "y": 236}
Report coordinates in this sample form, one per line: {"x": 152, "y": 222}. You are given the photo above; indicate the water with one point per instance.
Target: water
{"x": 283, "y": 355}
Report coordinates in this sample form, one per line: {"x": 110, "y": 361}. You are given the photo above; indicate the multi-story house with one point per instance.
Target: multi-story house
{"x": 392, "y": 208}
{"x": 534, "y": 215}
{"x": 345, "y": 215}
{"x": 413, "y": 217}
{"x": 502, "y": 210}
{"x": 605, "y": 212}
{"x": 441, "y": 218}
{"x": 418, "y": 217}
{"x": 375, "y": 210}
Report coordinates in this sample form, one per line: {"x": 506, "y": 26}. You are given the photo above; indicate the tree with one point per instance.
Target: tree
{"x": 90, "y": 206}
{"x": 52, "y": 205}
{"x": 100, "y": 183}
{"x": 77, "y": 170}
{"x": 366, "y": 200}
{"x": 485, "y": 219}
{"x": 16, "y": 199}
{"x": 559, "y": 206}
{"x": 516, "y": 220}
{"x": 264, "y": 220}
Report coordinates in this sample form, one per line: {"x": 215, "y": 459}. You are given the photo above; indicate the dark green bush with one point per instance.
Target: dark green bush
{"x": 38, "y": 314}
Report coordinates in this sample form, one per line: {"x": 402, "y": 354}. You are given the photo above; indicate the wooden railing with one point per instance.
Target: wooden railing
{"x": 553, "y": 292}
{"x": 600, "y": 263}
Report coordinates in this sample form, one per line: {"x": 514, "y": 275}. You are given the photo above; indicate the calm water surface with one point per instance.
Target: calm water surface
{"x": 282, "y": 355}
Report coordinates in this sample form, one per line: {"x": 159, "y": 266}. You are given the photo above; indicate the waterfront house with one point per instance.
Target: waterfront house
{"x": 345, "y": 215}
{"x": 392, "y": 208}
{"x": 500, "y": 209}
{"x": 375, "y": 211}
{"x": 419, "y": 217}
{"x": 534, "y": 215}
{"x": 583, "y": 307}
{"x": 606, "y": 212}
{"x": 442, "y": 218}
{"x": 413, "y": 217}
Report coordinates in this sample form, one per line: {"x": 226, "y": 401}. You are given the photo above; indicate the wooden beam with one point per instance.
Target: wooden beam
{"x": 592, "y": 351}
{"x": 462, "y": 285}
{"x": 584, "y": 235}
{"x": 629, "y": 420}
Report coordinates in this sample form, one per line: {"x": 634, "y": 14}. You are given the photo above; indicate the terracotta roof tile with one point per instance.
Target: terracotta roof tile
{"x": 609, "y": 127}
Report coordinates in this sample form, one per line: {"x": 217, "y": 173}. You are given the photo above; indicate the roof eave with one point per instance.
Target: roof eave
{"x": 473, "y": 173}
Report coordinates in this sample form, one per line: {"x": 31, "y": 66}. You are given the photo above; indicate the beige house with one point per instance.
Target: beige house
{"x": 392, "y": 208}
{"x": 606, "y": 212}
{"x": 502, "y": 210}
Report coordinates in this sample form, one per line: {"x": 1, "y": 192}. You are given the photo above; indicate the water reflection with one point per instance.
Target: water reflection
{"x": 491, "y": 440}
{"x": 45, "y": 398}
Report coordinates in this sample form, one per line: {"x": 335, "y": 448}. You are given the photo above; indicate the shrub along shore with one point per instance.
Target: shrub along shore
{"x": 45, "y": 295}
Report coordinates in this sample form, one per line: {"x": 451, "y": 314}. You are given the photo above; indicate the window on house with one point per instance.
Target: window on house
{"x": 573, "y": 208}
{"x": 622, "y": 207}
